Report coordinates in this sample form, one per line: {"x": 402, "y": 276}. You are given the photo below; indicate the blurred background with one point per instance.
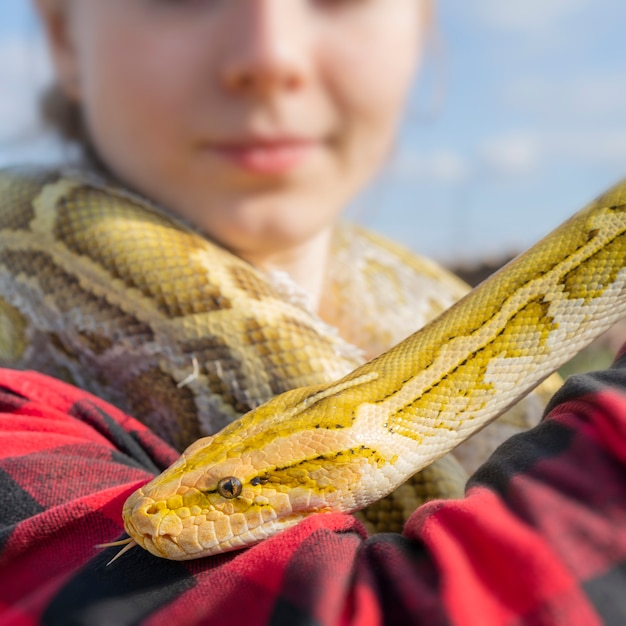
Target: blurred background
{"x": 518, "y": 119}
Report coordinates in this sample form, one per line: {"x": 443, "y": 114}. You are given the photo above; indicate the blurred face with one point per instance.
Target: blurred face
{"x": 256, "y": 120}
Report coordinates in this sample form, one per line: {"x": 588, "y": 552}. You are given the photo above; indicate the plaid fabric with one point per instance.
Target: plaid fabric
{"x": 540, "y": 537}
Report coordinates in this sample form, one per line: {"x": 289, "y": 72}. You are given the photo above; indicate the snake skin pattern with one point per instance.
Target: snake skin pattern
{"x": 105, "y": 290}
{"x": 341, "y": 446}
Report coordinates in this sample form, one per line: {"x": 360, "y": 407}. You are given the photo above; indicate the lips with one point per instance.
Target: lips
{"x": 267, "y": 157}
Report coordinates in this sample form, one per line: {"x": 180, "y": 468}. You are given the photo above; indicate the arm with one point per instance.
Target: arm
{"x": 540, "y": 537}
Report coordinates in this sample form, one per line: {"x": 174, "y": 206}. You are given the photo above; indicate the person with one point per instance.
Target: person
{"x": 258, "y": 145}
{"x": 255, "y": 122}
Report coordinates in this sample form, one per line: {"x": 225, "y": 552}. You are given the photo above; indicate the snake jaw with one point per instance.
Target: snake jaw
{"x": 215, "y": 525}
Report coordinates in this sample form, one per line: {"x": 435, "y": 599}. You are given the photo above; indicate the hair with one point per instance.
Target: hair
{"x": 65, "y": 117}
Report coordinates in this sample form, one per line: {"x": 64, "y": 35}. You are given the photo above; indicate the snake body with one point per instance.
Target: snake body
{"x": 341, "y": 446}
{"x": 101, "y": 287}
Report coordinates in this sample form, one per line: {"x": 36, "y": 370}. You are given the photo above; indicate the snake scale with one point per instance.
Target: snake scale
{"x": 325, "y": 446}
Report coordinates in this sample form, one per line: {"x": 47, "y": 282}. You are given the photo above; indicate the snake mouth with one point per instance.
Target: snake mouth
{"x": 252, "y": 537}
{"x": 166, "y": 534}
{"x": 180, "y": 548}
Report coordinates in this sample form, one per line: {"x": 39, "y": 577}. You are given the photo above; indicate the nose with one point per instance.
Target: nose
{"x": 270, "y": 48}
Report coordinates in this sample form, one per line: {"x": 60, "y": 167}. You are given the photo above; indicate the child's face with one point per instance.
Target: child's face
{"x": 257, "y": 120}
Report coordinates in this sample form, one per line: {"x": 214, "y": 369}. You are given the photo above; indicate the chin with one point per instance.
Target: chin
{"x": 260, "y": 237}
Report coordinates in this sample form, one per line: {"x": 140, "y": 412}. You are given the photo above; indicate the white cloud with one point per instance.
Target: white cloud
{"x": 443, "y": 166}
{"x": 516, "y": 153}
{"x": 521, "y": 153}
{"x": 45, "y": 149}
{"x": 24, "y": 71}
{"x": 589, "y": 96}
{"x": 604, "y": 147}
{"x": 527, "y": 15}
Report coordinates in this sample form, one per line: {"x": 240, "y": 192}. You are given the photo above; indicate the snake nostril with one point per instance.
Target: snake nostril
{"x": 152, "y": 509}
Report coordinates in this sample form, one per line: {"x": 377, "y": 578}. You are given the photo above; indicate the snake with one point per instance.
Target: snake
{"x": 103, "y": 289}
{"x": 106, "y": 290}
{"x": 338, "y": 447}
{"x": 109, "y": 291}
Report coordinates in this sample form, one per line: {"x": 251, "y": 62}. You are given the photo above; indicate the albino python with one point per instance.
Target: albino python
{"x": 100, "y": 287}
{"x": 341, "y": 446}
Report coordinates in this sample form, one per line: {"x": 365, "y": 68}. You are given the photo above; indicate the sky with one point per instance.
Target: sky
{"x": 516, "y": 121}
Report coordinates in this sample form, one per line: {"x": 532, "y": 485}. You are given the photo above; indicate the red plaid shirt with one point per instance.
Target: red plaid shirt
{"x": 540, "y": 537}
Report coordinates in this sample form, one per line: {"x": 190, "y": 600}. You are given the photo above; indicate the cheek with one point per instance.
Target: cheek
{"x": 134, "y": 95}
{"x": 370, "y": 82}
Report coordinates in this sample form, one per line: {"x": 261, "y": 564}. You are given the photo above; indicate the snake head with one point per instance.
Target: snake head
{"x": 191, "y": 511}
{"x": 260, "y": 475}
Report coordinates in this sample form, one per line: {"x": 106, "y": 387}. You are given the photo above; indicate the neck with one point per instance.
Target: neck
{"x": 305, "y": 264}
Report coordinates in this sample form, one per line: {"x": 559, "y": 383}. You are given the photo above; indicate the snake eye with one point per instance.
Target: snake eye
{"x": 229, "y": 487}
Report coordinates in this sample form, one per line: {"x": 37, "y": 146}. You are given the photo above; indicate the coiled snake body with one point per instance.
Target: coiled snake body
{"x": 334, "y": 446}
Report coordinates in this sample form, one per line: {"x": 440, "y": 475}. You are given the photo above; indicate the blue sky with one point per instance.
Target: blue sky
{"x": 515, "y": 123}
